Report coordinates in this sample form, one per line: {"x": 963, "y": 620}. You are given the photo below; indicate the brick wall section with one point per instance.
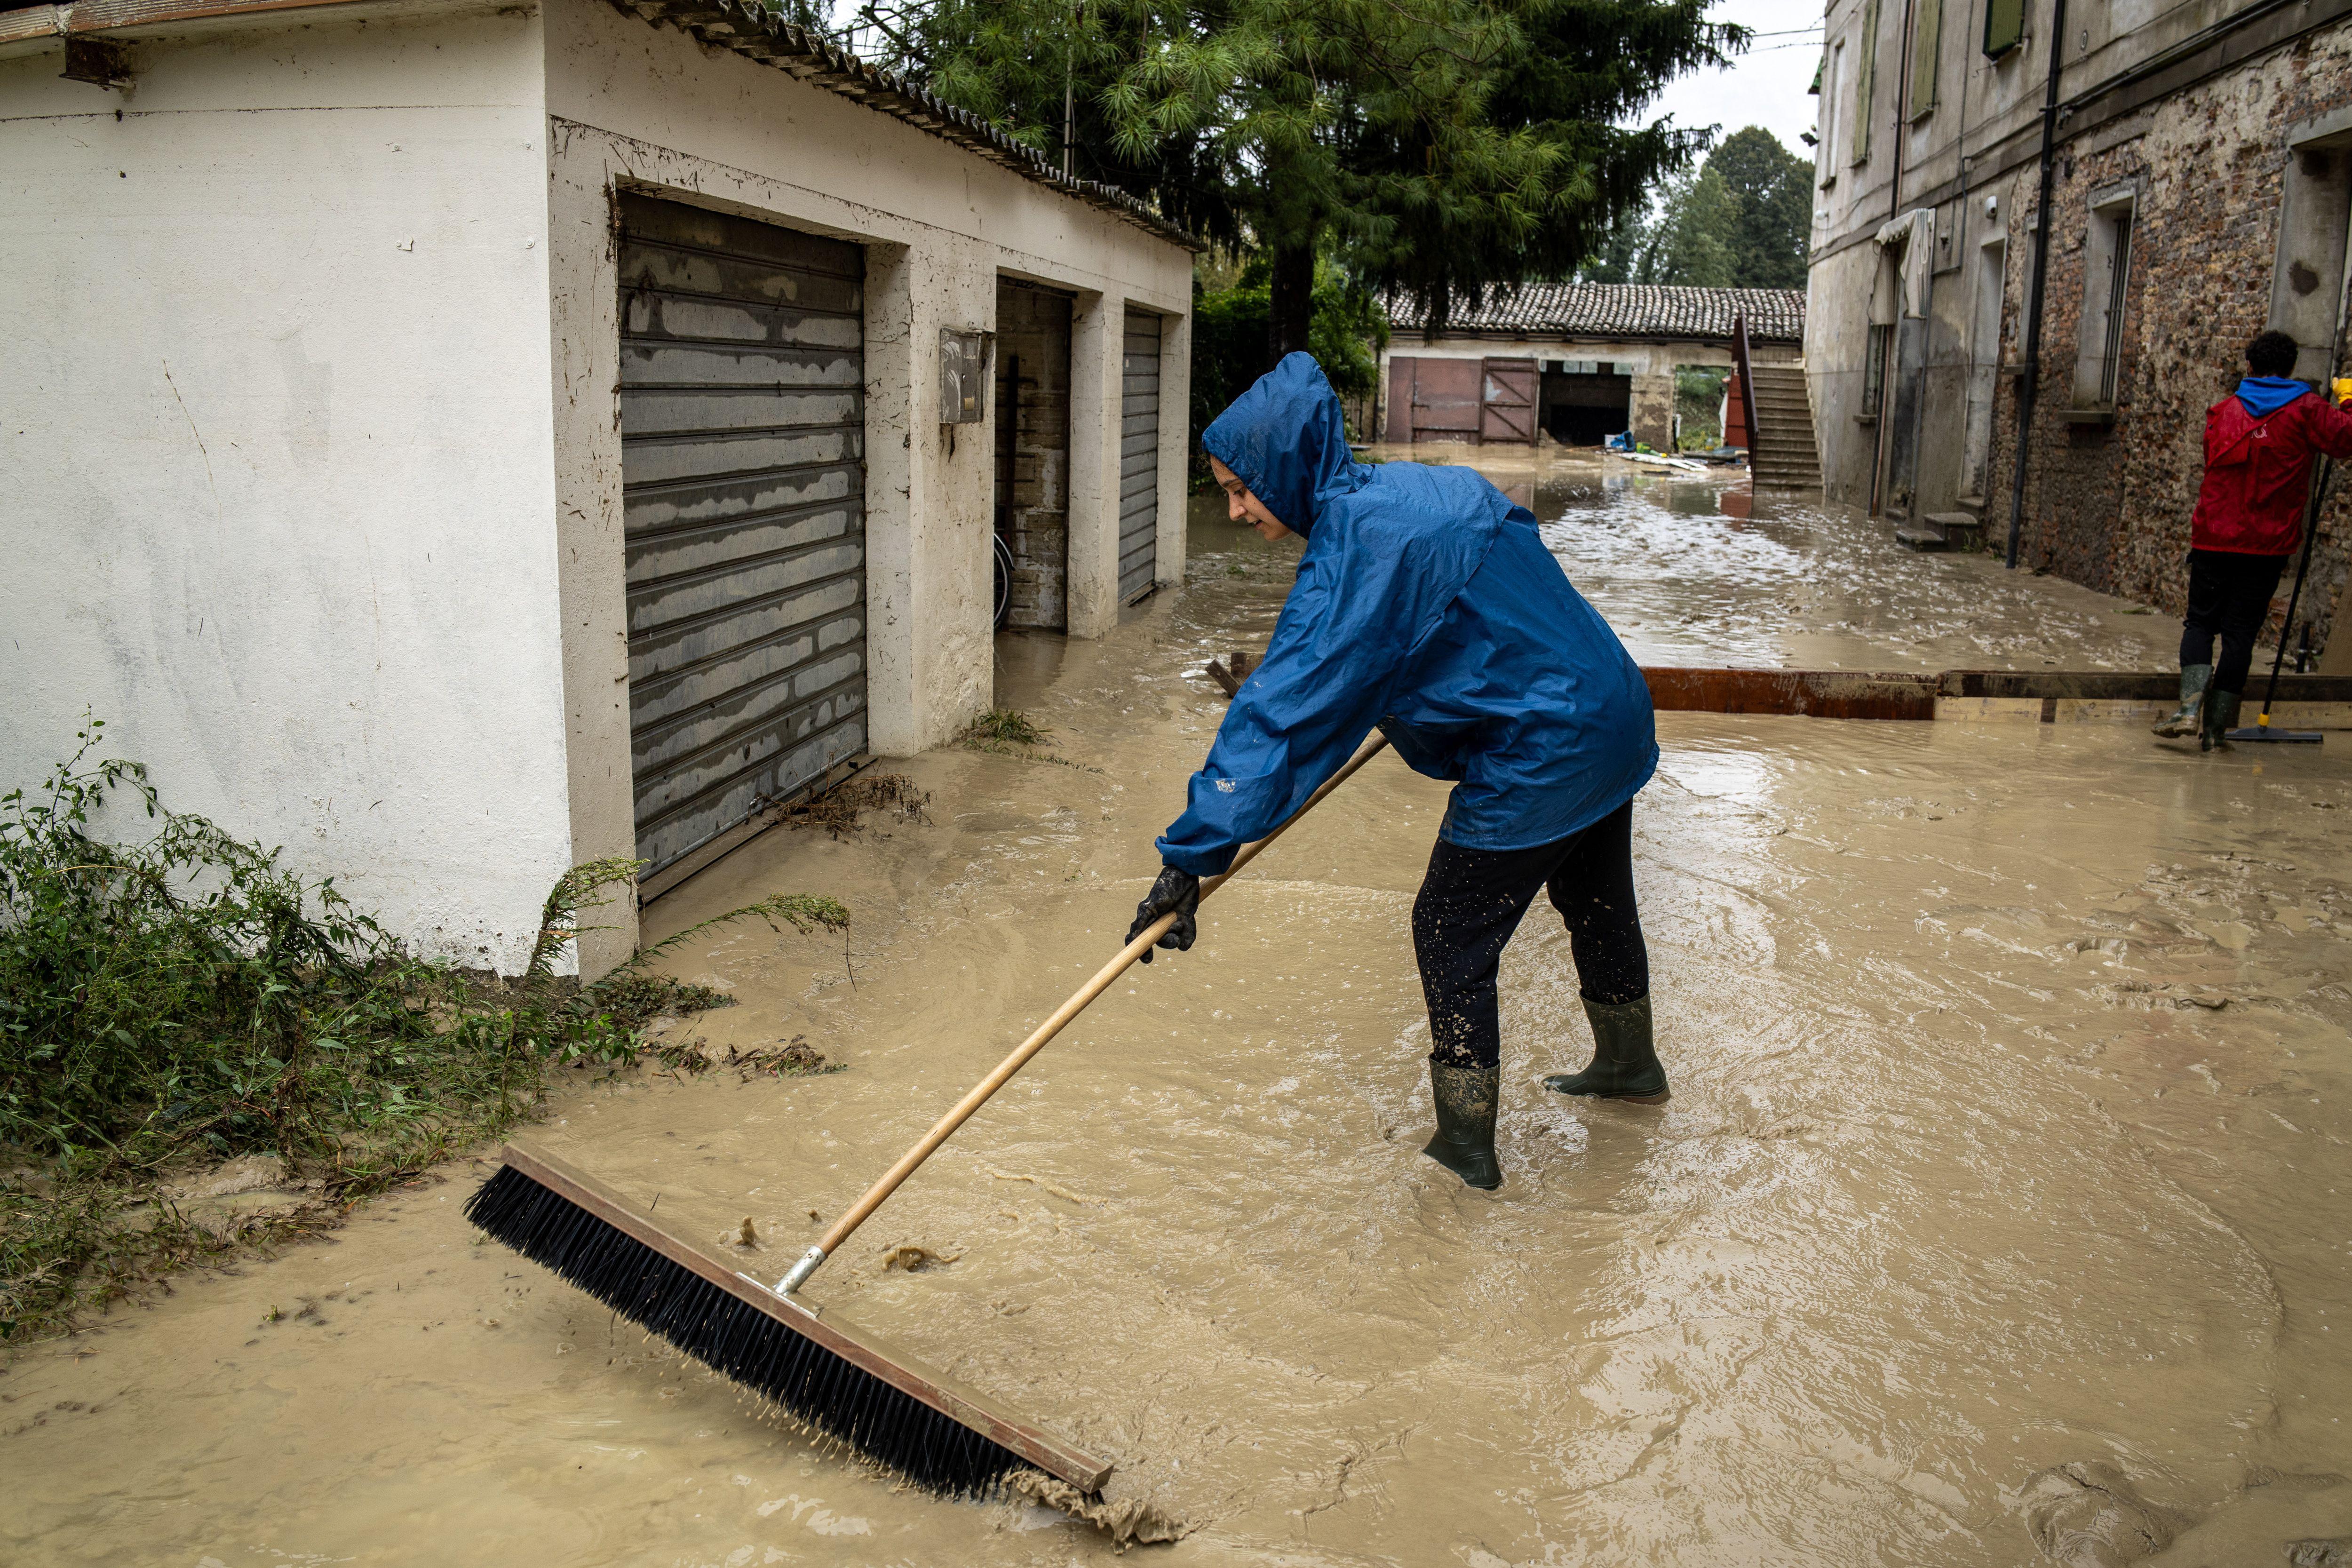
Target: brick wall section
{"x": 1032, "y": 451}
{"x": 2109, "y": 508}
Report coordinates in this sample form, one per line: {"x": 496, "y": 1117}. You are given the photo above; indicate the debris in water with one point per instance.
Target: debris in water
{"x": 841, "y": 812}
{"x": 1042, "y": 1185}
{"x": 1126, "y": 1520}
{"x": 2089, "y": 1515}
{"x": 795, "y": 1057}
{"x": 915, "y": 1260}
{"x": 750, "y": 1238}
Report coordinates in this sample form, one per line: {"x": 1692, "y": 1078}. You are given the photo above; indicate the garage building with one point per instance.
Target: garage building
{"x": 461, "y": 440}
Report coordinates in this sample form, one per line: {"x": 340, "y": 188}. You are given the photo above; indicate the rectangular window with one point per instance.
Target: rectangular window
{"x": 2307, "y": 272}
{"x": 1874, "y": 370}
{"x": 1926, "y": 47}
{"x": 2004, "y": 26}
{"x": 2106, "y": 277}
{"x": 1833, "y": 107}
{"x": 1863, "y": 82}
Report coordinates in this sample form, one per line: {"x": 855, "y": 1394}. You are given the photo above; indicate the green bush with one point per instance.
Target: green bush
{"x": 1230, "y": 329}
{"x": 185, "y": 998}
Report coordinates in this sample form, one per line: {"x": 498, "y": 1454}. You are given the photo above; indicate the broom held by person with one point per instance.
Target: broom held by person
{"x": 2259, "y": 445}
{"x": 1426, "y": 603}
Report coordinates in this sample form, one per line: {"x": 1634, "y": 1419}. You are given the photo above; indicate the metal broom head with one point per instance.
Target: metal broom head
{"x": 827, "y": 1375}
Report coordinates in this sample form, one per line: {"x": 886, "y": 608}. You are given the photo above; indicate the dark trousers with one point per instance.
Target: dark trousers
{"x": 1471, "y": 903}
{"x": 2228, "y": 598}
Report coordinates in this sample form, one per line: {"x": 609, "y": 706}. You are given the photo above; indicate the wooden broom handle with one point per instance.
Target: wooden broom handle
{"x": 980, "y": 1091}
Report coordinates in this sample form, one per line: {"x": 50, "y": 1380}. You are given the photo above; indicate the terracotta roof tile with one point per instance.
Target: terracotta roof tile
{"x": 1624, "y": 310}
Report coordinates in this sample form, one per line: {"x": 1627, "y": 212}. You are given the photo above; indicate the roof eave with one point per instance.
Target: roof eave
{"x": 733, "y": 25}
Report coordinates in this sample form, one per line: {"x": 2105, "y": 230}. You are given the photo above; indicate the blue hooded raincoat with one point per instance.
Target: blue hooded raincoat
{"x": 1426, "y": 603}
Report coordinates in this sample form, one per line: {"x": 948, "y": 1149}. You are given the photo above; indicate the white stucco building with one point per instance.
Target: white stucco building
{"x": 458, "y": 440}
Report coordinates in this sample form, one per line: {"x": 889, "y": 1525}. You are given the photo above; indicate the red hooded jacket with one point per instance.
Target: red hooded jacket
{"x": 2258, "y": 472}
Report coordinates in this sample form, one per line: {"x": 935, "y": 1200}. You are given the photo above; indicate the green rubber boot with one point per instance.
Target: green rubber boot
{"x": 1625, "y": 1064}
{"x": 2220, "y": 718}
{"x": 1464, "y": 1145}
{"x": 2183, "y": 723}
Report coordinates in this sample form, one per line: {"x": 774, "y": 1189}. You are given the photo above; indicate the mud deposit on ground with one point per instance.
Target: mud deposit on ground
{"x": 1696, "y": 570}
{"x": 2001, "y": 1200}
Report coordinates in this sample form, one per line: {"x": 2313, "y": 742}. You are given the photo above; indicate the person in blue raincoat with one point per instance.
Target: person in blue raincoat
{"x": 1426, "y": 603}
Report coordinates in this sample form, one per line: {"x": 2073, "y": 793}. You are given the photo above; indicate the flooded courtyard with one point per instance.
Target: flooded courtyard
{"x": 1995, "y": 1219}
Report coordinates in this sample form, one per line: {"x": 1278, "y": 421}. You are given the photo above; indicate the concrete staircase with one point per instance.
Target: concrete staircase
{"x": 1784, "y": 456}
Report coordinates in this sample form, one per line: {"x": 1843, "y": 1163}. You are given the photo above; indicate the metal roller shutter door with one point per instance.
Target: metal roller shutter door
{"x": 743, "y": 493}
{"x": 1138, "y": 458}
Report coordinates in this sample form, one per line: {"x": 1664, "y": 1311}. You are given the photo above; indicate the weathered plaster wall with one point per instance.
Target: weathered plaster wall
{"x": 1837, "y": 334}
{"x": 274, "y": 414}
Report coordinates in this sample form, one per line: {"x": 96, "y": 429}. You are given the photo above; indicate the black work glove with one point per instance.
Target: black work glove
{"x": 1177, "y": 890}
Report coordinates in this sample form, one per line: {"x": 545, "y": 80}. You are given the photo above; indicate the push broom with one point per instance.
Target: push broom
{"x": 832, "y": 1376}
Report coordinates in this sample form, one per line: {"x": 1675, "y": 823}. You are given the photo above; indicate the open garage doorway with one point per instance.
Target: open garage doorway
{"x": 1032, "y": 454}
{"x": 1585, "y": 401}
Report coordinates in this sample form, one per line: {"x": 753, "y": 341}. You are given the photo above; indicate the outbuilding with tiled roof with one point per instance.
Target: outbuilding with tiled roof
{"x": 1576, "y": 362}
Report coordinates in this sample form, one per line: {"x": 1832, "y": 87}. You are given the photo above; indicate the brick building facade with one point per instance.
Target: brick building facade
{"x": 2200, "y": 190}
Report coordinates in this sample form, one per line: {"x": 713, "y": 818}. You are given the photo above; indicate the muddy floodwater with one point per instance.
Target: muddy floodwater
{"x": 2001, "y": 1214}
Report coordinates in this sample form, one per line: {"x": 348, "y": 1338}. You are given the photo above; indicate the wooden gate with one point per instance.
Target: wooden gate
{"x": 1507, "y": 402}
{"x": 1444, "y": 400}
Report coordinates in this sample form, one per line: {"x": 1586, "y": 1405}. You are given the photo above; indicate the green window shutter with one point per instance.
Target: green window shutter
{"x": 1863, "y": 84}
{"x": 1926, "y": 50}
{"x": 2004, "y": 26}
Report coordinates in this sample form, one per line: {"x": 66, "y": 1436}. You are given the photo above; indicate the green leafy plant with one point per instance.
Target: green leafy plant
{"x": 179, "y": 998}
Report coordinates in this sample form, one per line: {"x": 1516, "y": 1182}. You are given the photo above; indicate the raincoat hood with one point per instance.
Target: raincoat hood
{"x": 1284, "y": 440}
{"x": 2263, "y": 395}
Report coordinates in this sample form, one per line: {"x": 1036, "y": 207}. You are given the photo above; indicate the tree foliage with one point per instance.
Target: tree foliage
{"x": 1739, "y": 222}
{"x": 1435, "y": 147}
{"x": 1229, "y": 336}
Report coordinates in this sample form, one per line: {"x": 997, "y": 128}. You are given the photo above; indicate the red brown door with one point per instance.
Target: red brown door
{"x": 1445, "y": 400}
{"x": 1507, "y": 402}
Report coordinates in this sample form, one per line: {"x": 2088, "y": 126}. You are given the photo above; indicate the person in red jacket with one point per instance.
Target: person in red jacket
{"x": 2259, "y": 443}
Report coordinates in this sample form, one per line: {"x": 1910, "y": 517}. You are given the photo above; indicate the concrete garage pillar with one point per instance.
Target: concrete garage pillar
{"x": 1653, "y": 409}
{"x": 1096, "y": 329}
{"x": 928, "y": 573}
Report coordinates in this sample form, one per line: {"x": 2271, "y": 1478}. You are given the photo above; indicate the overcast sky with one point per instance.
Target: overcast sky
{"x": 1764, "y": 87}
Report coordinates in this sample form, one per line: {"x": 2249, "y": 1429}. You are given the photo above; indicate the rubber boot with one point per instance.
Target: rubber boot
{"x": 2220, "y": 718}
{"x": 1464, "y": 1145}
{"x": 1625, "y": 1064}
{"x": 2183, "y": 723}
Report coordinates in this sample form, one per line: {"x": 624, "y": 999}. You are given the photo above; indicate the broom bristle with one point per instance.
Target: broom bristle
{"x": 820, "y": 1388}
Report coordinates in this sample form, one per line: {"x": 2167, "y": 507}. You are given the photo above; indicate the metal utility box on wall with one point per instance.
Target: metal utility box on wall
{"x": 963, "y": 374}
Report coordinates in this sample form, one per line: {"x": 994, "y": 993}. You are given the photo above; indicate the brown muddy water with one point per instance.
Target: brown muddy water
{"x": 2001, "y": 1201}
